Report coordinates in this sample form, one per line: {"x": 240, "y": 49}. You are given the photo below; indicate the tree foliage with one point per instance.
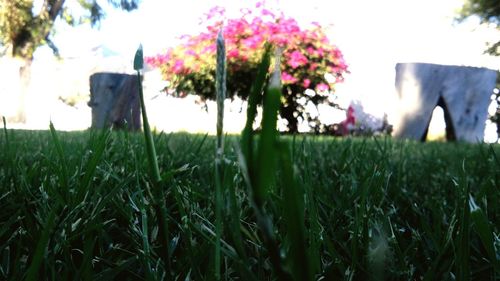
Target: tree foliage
{"x": 23, "y": 29}
{"x": 310, "y": 64}
{"x": 489, "y": 12}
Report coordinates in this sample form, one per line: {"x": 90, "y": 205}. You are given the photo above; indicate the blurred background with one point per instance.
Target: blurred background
{"x": 373, "y": 36}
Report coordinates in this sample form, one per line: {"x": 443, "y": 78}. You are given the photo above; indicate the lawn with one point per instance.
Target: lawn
{"x": 82, "y": 206}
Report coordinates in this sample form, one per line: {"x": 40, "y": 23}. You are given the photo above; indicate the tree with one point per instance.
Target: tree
{"x": 23, "y": 30}
{"x": 489, "y": 12}
{"x": 311, "y": 65}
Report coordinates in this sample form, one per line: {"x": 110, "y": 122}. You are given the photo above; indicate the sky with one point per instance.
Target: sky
{"x": 373, "y": 35}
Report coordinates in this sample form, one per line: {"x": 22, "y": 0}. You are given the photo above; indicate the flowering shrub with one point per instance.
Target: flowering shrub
{"x": 309, "y": 61}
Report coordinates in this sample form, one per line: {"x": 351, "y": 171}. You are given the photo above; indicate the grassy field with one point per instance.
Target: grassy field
{"x": 81, "y": 206}
{"x": 103, "y": 205}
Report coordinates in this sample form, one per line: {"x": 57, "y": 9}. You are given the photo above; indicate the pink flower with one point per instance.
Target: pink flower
{"x": 178, "y": 66}
{"x": 316, "y": 24}
{"x": 215, "y": 11}
{"x": 306, "y": 83}
{"x": 266, "y": 12}
{"x": 234, "y": 53}
{"x": 313, "y": 66}
{"x": 253, "y": 42}
{"x": 320, "y": 52}
{"x": 190, "y": 52}
{"x": 287, "y": 78}
{"x": 322, "y": 87}
{"x": 209, "y": 49}
{"x": 296, "y": 59}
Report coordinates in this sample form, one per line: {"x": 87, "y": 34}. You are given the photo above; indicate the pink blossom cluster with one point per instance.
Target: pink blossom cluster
{"x": 307, "y": 53}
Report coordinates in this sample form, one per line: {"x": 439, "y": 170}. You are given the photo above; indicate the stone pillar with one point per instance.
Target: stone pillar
{"x": 465, "y": 92}
{"x": 114, "y": 99}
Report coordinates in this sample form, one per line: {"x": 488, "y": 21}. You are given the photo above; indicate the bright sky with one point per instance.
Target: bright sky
{"x": 373, "y": 35}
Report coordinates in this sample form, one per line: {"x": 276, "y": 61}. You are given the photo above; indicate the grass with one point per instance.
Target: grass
{"x": 80, "y": 206}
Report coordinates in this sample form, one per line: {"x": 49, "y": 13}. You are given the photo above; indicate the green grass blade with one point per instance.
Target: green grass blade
{"x": 254, "y": 98}
{"x": 145, "y": 241}
{"x": 293, "y": 214}
{"x": 482, "y": 227}
{"x": 88, "y": 249}
{"x": 462, "y": 254}
{"x": 62, "y": 157}
{"x": 97, "y": 147}
{"x": 113, "y": 272}
{"x": 139, "y": 59}
{"x": 150, "y": 146}
{"x": 6, "y": 134}
{"x": 41, "y": 246}
{"x": 219, "y": 149}
{"x": 159, "y": 199}
{"x": 266, "y": 156}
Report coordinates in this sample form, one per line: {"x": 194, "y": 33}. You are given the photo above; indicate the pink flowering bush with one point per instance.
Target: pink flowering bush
{"x": 307, "y": 56}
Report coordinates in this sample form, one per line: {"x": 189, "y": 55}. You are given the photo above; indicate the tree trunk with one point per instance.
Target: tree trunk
{"x": 21, "y": 95}
{"x": 24, "y": 80}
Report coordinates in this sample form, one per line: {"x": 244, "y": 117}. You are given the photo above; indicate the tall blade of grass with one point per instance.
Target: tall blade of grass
{"x": 234, "y": 215}
{"x": 441, "y": 261}
{"x": 160, "y": 204}
{"x": 481, "y": 225}
{"x": 6, "y": 134}
{"x": 195, "y": 153}
{"x": 97, "y": 148}
{"x": 254, "y": 98}
{"x": 463, "y": 238}
{"x": 259, "y": 178}
{"x": 145, "y": 239}
{"x": 220, "y": 84}
{"x": 150, "y": 146}
{"x": 114, "y": 271}
{"x": 266, "y": 155}
{"x": 245, "y": 153}
{"x": 207, "y": 234}
{"x": 360, "y": 232}
{"x": 293, "y": 213}
{"x": 62, "y": 157}
{"x": 220, "y": 88}
{"x": 311, "y": 207}
{"x": 185, "y": 224}
{"x": 88, "y": 248}
{"x": 265, "y": 166}
{"x": 41, "y": 246}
